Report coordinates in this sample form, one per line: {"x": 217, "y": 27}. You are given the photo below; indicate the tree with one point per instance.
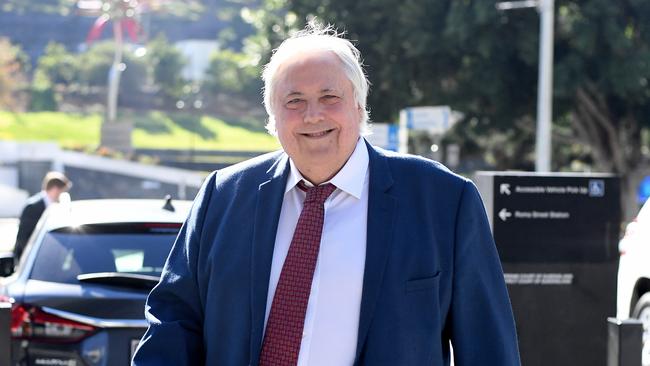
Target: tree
{"x": 94, "y": 64}
{"x": 13, "y": 64}
{"x": 187, "y": 8}
{"x": 56, "y": 69}
{"x": 240, "y": 71}
{"x": 47, "y": 6}
{"x": 484, "y": 63}
{"x": 272, "y": 23}
{"x": 603, "y": 69}
{"x": 124, "y": 16}
{"x": 57, "y": 65}
{"x": 233, "y": 73}
{"x": 167, "y": 64}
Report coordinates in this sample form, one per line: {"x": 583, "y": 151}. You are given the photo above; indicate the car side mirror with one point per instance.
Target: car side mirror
{"x": 6, "y": 264}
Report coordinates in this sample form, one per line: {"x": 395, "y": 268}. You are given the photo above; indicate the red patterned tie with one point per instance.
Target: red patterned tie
{"x": 284, "y": 327}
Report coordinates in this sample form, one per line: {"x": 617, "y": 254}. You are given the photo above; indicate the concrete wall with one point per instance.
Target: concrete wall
{"x": 23, "y": 165}
{"x": 31, "y": 173}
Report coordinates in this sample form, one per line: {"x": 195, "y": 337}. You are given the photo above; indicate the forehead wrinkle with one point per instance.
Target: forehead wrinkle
{"x": 332, "y": 90}
{"x": 285, "y": 79}
{"x": 293, "y": 93}
{"x": 296, "y": 93}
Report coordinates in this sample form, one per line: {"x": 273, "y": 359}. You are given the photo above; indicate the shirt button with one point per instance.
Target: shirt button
{"x": 304, "y": 334}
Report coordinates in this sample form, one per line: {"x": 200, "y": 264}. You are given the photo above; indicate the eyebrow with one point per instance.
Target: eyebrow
{"x": 293, "y": 94}
{"x": 297, "y": 93}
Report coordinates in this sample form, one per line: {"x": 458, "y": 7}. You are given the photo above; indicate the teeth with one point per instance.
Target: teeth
{"x": 317, "y": 134}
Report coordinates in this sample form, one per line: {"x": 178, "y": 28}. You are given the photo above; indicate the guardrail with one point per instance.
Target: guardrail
{"x": 174, "y": 153}
{"x": 625, "y": 342}
{"x": 198, "y": 160}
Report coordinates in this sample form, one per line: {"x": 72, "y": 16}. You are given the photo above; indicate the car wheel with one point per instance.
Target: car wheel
{"x": 642, "y": 312}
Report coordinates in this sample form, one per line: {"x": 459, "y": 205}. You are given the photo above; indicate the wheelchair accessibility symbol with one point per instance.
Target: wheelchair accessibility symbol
{"x": 596, "y": 188}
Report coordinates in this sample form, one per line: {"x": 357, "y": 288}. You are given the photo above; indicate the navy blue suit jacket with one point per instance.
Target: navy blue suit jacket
{"x": 432, "y": 273}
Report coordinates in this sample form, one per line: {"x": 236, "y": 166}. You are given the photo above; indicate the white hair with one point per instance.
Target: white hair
{"x": 315, "y": 37}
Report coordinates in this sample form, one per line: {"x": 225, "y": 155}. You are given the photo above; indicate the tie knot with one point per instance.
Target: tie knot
{"x": 317, "y": 194}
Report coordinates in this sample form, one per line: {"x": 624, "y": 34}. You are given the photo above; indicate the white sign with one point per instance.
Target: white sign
{"x": 384, "y": 135}
{"x": 504, "y": 188}
{"x": 432, "y": 119}
{"x": 504, "y": 214}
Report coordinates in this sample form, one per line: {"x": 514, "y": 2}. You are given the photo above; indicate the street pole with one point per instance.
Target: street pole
{"x": 114, "y": 74}
{"x": 5, "y": 333}
{"x": 545, "y": 87}
{"x": 546, "y": 9}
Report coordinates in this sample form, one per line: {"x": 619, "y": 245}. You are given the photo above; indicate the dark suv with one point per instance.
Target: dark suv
{"x": 78, "y": 292}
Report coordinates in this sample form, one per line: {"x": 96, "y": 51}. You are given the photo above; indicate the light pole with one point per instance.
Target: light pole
{"x": 546, "y": 8}
{"x": 124, "y": 15}
{"x": 115, "y": 73}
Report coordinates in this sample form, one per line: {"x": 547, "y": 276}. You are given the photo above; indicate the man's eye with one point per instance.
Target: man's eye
{"x": 330, "y": 98}
{"x": 293, "y": 103}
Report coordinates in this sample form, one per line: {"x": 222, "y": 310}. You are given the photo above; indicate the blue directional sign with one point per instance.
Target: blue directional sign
{"x": 384, "y": 135}
{"x": 644, "y": 190}
{"x": 393, "y": 137}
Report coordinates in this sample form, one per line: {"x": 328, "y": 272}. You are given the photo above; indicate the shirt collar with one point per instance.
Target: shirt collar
{"x": 46, "y": 198}
{"x": 349, "y": 179}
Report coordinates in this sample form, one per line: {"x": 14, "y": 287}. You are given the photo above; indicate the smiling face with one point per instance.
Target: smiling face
{"x": 317, "y": 117}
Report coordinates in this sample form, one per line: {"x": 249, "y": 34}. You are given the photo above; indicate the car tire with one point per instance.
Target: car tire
{"x": 642, "y": 312}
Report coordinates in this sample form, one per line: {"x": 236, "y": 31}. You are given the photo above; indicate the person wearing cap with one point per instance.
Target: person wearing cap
{"x": 54, "y": 183}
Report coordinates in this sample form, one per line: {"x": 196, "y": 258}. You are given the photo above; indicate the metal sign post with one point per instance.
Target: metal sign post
{"x": 546, "y": 9}
{"x": 624, "y": 342}
{"x": 5, "y": 333}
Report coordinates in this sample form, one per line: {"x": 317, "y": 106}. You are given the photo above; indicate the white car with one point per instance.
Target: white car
{"x": 634, "y": 275}
{"x": 8, "y": 231}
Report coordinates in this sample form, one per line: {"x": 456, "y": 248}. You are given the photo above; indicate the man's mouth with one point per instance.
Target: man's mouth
{"x": 318, "y": 134}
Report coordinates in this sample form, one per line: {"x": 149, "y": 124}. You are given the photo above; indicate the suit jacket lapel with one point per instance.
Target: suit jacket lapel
{"x": 267, "y": 214}
{"x": 381, "y": 218}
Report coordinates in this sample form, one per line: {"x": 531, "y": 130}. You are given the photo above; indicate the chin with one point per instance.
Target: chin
{"x": 323, "y": 155}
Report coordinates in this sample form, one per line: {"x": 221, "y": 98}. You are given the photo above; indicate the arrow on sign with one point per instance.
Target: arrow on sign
{"x": 504, "y": 188}
{"x": 504, "y": 214}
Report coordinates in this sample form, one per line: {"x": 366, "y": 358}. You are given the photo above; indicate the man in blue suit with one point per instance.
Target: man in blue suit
{"x": 388, "y": 263}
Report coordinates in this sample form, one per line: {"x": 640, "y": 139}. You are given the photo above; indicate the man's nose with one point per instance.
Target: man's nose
{"x": 313, "y": 112}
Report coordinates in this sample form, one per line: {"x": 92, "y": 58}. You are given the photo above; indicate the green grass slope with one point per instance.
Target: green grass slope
{"x": 152, "y": 130}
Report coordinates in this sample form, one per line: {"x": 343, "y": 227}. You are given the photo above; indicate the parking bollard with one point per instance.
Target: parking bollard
{"x": 5, "y": 333}
{"x": 625, "y": 342}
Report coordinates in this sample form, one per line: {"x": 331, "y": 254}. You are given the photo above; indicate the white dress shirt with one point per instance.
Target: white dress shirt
{"x": 332, "y": 318}
{"x": 46, "y": 198}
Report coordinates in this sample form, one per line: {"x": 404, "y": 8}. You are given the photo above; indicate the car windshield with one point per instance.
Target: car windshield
{"x": 114, "y": 248}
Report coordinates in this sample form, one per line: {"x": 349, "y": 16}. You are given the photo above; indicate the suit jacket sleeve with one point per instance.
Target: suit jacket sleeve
{"x": 28, "y": 220}
{"x": 482, "y": 326}
{"x": 174, "y": 309}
